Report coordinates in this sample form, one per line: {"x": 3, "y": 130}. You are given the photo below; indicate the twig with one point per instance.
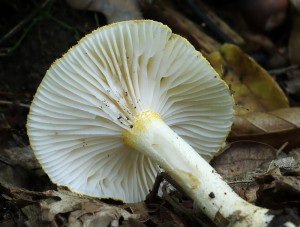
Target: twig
{"x": 6, "y": 51}
{"x": 23, "y": 22}
{"x": 283, "y": 70}
{"x": 241, "y": 182}
{"x": 160, "y": 177}
{"x": 3, "y": 102}
{"x": 62, "y": 24}
{"x": 96, "y": 19}
{"x": 281, "y": 148}
{"x": 199, "y": 12}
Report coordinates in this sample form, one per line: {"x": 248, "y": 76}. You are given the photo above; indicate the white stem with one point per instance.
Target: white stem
{"x": 200, "y": 181}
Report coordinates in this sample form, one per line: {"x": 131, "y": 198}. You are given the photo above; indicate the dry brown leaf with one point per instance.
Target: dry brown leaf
{"x": 19, "y": 167}
{"x": 20, "y": 196}
{"x": 139, "y": 208}
{"x": 244, "y": 161}
{"x": 253, "y": 88}
{"x": 260, "y": 123}
{"x": 65, "y": 208}
{"x": 279, "y": 190}
{"x": 82, "y": 210}
{"x": 274, "y": 128}
{"x": 246, "y": 190}
{"x": 243, "y": 158}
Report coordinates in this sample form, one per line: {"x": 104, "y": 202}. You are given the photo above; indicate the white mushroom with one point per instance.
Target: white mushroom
{"x": 114, "y": 10}
{"x": 126, "y": 100}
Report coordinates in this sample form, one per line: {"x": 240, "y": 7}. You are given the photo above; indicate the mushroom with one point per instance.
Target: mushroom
{"x": 114, "y": 10}
{"x": 129, "y": 99}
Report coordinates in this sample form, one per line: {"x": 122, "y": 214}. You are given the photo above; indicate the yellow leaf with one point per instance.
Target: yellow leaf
{"x": 254, "y": 90}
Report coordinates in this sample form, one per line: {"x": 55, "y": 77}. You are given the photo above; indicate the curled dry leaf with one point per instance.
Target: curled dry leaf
{"x": 139, "y": 208}
{"x": 284, "y": 163}
{"x": 253, "y": 88}
{"x": 21, "y": 156}
{"x": 278, "y": 190}
{"x": 18, "y": 165}
{"x": 74, "y": 210}
{"x": 20, "y": 196}
{"x": 246, "y": 190}
{"x": 240, "y": 160}
{"x": 243, "y": 161}
{"x": 274, "y": 128}
{"x": 64, "y": 208}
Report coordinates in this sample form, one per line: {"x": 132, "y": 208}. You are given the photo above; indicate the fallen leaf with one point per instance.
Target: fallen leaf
{"x": 82, "y": 210}
{"x": 242, "y": 162}
{"x": 63, "y": 208}
{"x": 278, "y": 190}
{"x": 253, "y": 88}
{"x": 274, "y": 128}
{"x": 243, "y": 158}
{"x": 284, "y": 163}
{"x": 139, "y": 208}
{"x": 246, "y": 190}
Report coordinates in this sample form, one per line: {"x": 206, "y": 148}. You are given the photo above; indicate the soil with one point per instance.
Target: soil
{"x": 33, "y": 34}
{"x": 45, "y": 31}
{"x": 25, "y": 54}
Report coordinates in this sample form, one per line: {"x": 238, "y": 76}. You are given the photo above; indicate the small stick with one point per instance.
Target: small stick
{"x": 200, "y": 13}
{"x": 3, "y": 102}
{"x": 283, "y": 70}
{"x": 160, "y": 177}
{"x": 23, "y": 22}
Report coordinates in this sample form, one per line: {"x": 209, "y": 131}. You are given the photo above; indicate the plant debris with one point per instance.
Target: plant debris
{"x": 259, "y": 62}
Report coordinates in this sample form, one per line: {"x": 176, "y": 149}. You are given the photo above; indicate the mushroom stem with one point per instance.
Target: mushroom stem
{"x": 153, "y": 137}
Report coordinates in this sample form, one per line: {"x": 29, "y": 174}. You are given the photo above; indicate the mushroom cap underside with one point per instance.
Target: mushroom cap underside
{"x": 91, "y": 95}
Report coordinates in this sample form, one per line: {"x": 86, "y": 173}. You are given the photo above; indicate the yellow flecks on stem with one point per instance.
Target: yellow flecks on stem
{"x": 140, "y": 122}
{"x": 193, "y": 180}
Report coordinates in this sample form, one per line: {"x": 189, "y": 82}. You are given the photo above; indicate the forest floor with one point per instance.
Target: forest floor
{"x": 33, "y": 34}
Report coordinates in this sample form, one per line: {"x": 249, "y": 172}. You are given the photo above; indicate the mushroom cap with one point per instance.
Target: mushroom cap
{"x": 90, "y": 96}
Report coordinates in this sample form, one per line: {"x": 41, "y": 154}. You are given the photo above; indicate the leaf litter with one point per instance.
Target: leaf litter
{"x": 264, "y": 169}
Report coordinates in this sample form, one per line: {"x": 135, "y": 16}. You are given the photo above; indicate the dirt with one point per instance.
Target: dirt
{"x": 46, "y": 31}
{"x": 33, "y": 34}
{"x": 28, "y": 52}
